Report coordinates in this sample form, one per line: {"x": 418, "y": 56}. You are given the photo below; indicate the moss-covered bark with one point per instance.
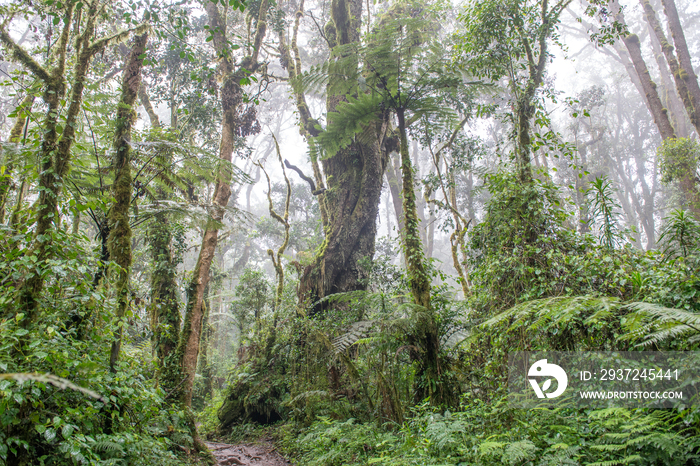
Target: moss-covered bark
{"x": 164, "y": 308}
{"x": 54, "y": 91}
{"x": 119, "y": 241}
{"x": 55, "y": 150}
{"x": 22, "y": 111}
{"x": 354, "y": 183}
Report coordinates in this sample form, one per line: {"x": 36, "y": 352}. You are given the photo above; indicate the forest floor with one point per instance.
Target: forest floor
{"x": 262, "y": 453}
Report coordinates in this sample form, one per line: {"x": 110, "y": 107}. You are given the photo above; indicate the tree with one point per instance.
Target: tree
{"x": 236, "y": 123}
{"x": 510, "y": 39}
{"x": 119, "y": 241}
{"x": 350, "y": 193}
{"x": 403, "y": 73}
{"x": 55, "y": 152}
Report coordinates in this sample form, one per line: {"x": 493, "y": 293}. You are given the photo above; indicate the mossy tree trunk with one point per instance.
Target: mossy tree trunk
{"x": 54, "y": 91}
{"x": 55, "y": 150}
{"x": 164, "y": 309}
{"x": 22, "y": 111}
{"x": 119, "y": 241}
{"x": 353, "y": 178}
{"x": 425, "y": 336}
{"x": 686, "y": 71}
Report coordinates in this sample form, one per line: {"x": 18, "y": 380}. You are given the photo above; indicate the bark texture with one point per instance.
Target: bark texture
{"x": 686, "y": 72}
{"x": 119, "y": 240}
{"x": 354, "y": 183}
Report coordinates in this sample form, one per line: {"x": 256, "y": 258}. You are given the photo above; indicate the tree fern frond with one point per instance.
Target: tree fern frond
{"x": 557, "y": 311}
{"x": 664, "y": 322}
{"x": 350, "y": 119}
{"x": 357, "y": 331}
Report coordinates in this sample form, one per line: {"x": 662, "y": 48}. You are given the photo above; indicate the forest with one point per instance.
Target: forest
{"x": 322, "y": 233}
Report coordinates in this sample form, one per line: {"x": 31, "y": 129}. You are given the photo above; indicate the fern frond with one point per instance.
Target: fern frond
{"x": 357, "y": 331}
{"x": 666, "y": 323}
{"x": 349, "y": 119}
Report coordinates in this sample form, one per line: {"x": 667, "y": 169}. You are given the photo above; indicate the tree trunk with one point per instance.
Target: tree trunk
{"x": 669, "y": 96}
{"x": 651, "y": 96}
{"x": 119, "y": 241}
{"x": 354, "y": 180}
{"x": 165, "y": 304}
{"x": 231, "y": 128}
{"x": 392, "y": 178}
{"x": 680, "y": 77}
{"x": 22, "y": 110}
{"x": 55, "y": 90}
{"x": 686, "y": 73}
{"x": 425, "y": 336}
{"x": 419, "y": 281}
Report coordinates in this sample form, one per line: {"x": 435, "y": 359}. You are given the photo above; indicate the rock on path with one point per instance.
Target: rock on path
{"x": 246, "y": 454}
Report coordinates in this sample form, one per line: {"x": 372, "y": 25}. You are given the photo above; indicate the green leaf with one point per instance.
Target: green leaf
{"x": 49, "y": 434}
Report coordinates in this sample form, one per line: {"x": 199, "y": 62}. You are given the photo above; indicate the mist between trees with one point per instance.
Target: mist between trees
{"x": 327, "y": 225}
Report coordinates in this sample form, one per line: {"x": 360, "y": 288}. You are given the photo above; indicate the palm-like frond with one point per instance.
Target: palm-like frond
{"x": 349, "y": 121}
{"x": 537, "y": 314}
{"x": 652, "y": 324}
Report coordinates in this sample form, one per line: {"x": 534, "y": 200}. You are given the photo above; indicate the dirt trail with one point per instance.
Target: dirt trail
{"x": 263, "y": 454}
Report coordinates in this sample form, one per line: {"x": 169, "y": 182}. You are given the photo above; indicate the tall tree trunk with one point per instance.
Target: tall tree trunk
{"x": 425, "y": 335}
{"x": 686, "y": 73}
{"x": 354, "y": 176}
{"x": 164, "y": 308}
{"x": 165, "y": 304}
{"x": 681, "y": 78}
{"x": 419, "y": 281}
{"x": 119, "y": 241}
{"x": 668, "y": 95}
{"x": 54, "y": 92}
{"x": 232, "y": 126}
{"x": 651, "y": 96}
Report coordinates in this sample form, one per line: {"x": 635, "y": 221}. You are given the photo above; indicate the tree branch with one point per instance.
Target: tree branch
{"x": 23, "y": 57}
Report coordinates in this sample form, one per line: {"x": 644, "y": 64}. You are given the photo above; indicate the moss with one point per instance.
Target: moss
{"x": 330, "y": 32}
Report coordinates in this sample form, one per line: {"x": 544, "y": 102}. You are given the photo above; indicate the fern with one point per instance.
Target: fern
{"x": 109, "y": 447}
{"x": 516, "y": 453}
{"x": 537, "y": 314}
{"x": 357, "y": 331}
{"x": 350, "y": 119}
{"x": 654, "y": 324}
{"x": 491, "y": 448}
